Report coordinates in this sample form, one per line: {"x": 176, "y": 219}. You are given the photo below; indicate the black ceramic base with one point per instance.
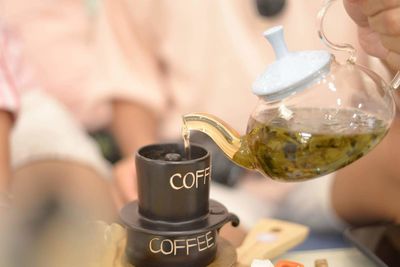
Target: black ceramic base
{"x": 226, "y": 255}
{"x": 158, "y": 243}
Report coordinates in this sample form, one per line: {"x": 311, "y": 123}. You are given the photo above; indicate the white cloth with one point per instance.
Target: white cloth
{"x": 310, "y": 203}
{"x": 307, "y": 203}
{"x": 262, "y": 263}
{"x": 247, "y": 206}
{"x": 46, "y": 130}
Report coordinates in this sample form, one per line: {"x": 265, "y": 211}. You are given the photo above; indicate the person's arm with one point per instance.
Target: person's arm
{"x": 369, "y": 190}
{"x": 133, "y": 126}
{"x": 134, "y": 87}
{"x": 5, "y": 172}
{"x": 12, "y": 78}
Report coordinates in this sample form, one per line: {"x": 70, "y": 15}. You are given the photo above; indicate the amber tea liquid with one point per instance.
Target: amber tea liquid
{"x": 302, "y": 148}
{"x": 186, "y": 141}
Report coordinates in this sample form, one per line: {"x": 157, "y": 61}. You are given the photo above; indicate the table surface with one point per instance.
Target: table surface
{"x": 340, "y": 257}
{"x": 331, "y": 246}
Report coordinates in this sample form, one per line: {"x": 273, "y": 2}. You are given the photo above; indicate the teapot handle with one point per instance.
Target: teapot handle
{"x": 321, "y": 32}
{"x": 395, "y": 84}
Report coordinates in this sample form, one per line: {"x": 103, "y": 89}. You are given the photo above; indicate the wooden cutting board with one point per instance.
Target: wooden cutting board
{"x": 266, "y": 240}
{"x": 269, "y": 239}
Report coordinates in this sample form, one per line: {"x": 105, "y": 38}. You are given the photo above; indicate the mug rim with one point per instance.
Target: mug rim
{"x": 139, "y": 154}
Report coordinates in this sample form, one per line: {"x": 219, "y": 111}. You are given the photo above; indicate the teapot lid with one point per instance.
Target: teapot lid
{"x": 292, "y": 71}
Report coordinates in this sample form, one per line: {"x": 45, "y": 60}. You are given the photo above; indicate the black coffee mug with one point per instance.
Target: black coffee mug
{"x": 173, "y": 191}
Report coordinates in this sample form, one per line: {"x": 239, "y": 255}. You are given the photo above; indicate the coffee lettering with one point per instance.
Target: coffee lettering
{"x": 189, "y": 180}
{"x": 199, "y": 174}
{"x": 188, "y": 245}
{"x": 151, "y": 246}
{"x": 173, "y": 184}
{"x": 209, "y": 238}
{"x": 185, "y": 179}
{"x": 176, "y": 246}
{"x": 199, "y": 243}
{"x": 171, "y": 245}
{"x": 207, "y": 173}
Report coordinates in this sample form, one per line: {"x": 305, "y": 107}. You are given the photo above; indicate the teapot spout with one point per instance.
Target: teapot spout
{"x": 227, "y": 138}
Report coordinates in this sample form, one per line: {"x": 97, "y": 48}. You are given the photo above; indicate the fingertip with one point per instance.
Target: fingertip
{"x": 353, "y": 8}
{"x": 393, "y": 60}
{"x": 371, "y": 42}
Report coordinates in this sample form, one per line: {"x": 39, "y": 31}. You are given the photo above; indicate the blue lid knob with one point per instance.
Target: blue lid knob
{"x": 292, "y": 71}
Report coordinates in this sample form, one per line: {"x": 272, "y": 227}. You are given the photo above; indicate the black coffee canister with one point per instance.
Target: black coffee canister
{"x": 173, "y": 223}
{"x": 173, "y": 191}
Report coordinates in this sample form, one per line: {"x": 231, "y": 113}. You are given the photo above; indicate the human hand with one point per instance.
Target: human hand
{"x": 6, "y": 122}
{"x": 5, "y": 196}
{"x": 378, "y": 28}
{"x": 124, "y": 184}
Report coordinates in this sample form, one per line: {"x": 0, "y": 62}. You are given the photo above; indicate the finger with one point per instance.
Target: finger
{"x": 392, "y": 43}
{"x": 371, "y": 42}
{"x": 118, "y": 201}
{"x": 124, "y": 178}
{"x": 373, "y": 7}
{"x": 353, "y": 8}
{"x": 126, "y": 187}
{"x": 393, "y": 61}
{"x": 387, "y": 22}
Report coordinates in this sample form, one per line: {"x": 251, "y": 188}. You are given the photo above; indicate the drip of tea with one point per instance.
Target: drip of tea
{"x": 173, "y": 157}
{"x": 302, "y": 147}
{"x": 186, "y": 141}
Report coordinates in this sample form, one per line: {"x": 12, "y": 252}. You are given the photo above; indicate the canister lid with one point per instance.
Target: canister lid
{"x": 292, "y": 71}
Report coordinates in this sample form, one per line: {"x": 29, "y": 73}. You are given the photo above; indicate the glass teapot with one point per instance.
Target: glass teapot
{"x": 314, "y": 114}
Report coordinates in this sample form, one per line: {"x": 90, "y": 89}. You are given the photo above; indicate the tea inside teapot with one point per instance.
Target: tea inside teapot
{"x": 302, "y": 147}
